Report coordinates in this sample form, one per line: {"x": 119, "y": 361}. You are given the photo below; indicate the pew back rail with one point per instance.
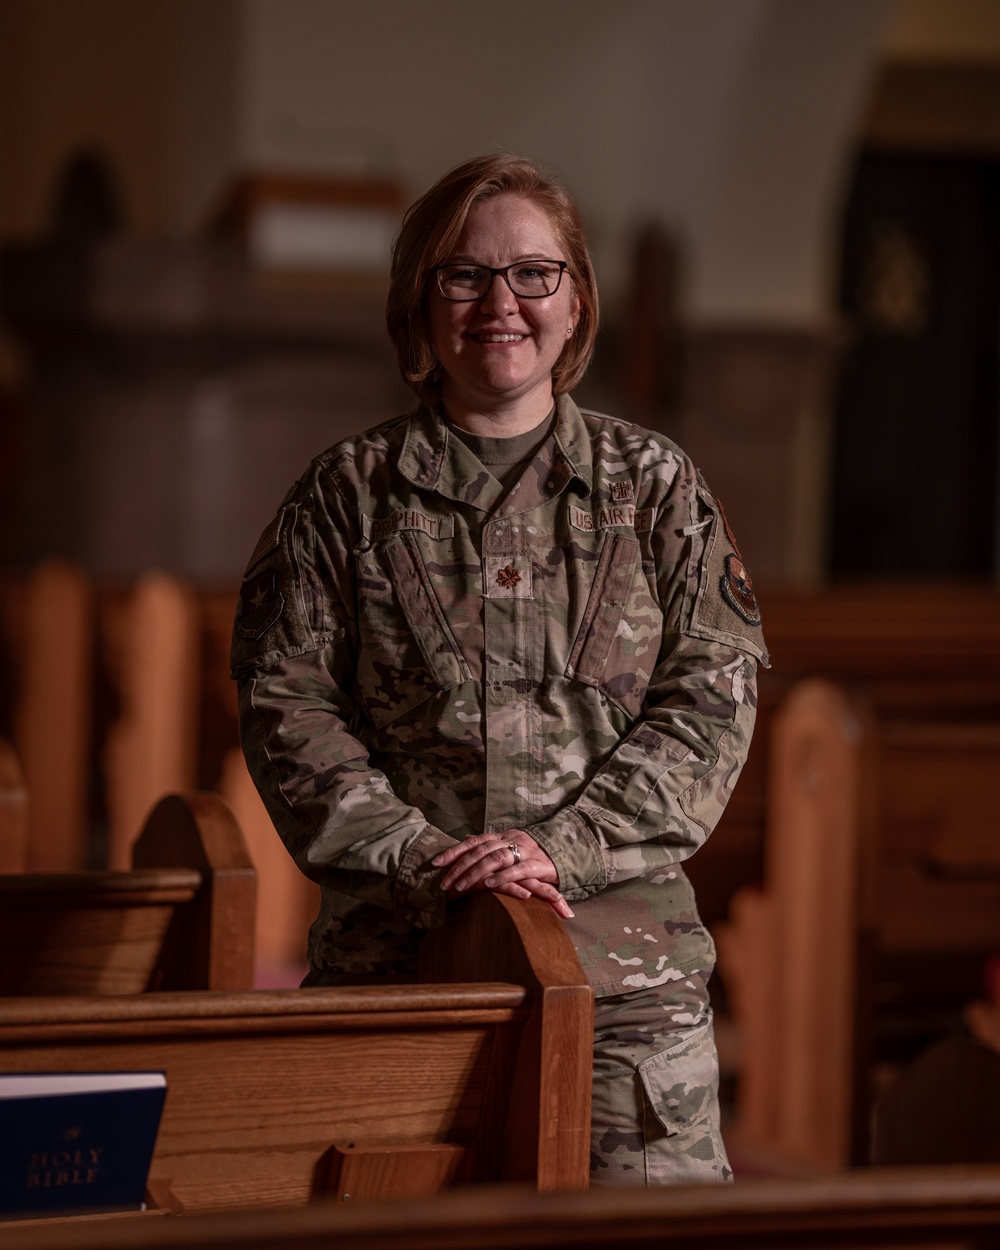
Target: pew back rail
{"x": 261, "y": 1085}
{"x": 182, "y": 918}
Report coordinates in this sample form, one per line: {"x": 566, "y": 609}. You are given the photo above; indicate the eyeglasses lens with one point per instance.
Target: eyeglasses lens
{"x": 529, "y": 279}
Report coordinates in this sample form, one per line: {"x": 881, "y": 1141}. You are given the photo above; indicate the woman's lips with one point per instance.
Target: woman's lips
{"x": 499, "y": 338}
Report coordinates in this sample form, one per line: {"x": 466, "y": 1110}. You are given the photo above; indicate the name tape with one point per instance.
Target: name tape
{"x": 377, "y": 528}
{"x": 625, "y": 515}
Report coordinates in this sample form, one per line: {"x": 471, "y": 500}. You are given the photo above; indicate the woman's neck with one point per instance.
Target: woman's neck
{"x": 501, "y": 421}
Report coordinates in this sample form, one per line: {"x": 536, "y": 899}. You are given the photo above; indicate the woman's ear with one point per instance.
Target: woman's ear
{"x": 574, "y": 314}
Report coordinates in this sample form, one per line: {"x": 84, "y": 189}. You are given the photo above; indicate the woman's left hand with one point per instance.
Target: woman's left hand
{"x": 511, "y": 863}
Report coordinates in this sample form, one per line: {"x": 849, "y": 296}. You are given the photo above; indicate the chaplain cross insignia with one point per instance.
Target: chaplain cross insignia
{"x": 508, "y": 577}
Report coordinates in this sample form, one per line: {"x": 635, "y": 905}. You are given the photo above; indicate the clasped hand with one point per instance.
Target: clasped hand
{"x": 485, "y": 862}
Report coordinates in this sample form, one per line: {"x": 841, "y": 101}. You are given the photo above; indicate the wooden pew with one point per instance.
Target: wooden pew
{"x": 287, "y": 901}
{"x": 141, "y": 700}
{"x": 905, "y": 1209}
{"x": 48, "y": 622}
{"x": 857, "y": 928}
{"x": 182, "y": 917}
{"x": 921, "y": 652}
{"x": 13, "y": 811}
{"x": 151, "y": 748}
{"x": 275, "y": 1097}
{"x": 168, "y": 646}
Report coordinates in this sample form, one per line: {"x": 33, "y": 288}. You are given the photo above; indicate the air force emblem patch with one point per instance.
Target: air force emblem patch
{"x": 737, "y": 590}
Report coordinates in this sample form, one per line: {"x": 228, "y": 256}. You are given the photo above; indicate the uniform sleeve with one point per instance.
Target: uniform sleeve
{"x": 660, "y": 793}
{"x": 293, "y": 655}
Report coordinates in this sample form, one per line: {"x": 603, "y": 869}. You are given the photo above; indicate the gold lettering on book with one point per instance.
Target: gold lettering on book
{"x": 51, "y": 1169}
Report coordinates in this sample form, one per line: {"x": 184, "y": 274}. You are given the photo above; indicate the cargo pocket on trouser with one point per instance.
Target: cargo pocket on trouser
{"x": 683, "y": 1139}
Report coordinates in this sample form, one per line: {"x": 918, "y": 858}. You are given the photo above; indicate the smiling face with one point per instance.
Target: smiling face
{"x": 497, "y": 353}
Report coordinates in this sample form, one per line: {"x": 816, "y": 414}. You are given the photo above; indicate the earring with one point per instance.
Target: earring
{"x": 569, "y": 332}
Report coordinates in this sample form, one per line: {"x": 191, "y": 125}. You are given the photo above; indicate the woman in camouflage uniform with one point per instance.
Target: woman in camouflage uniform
{"x": 505, "y": 643}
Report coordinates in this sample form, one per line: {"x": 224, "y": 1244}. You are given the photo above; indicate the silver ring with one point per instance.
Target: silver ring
{"x": 515, "y": 852}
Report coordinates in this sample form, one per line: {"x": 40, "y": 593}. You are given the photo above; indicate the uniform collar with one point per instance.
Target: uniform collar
{"x": 433, "y": 460}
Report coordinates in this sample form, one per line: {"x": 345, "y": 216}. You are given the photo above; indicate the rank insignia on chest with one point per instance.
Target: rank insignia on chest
{"x": 737, "y": 590}
{"x": 507, "y": 577}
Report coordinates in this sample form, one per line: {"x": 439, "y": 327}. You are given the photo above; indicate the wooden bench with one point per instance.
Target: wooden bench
{"x": 141, "y": 704}
{"x": 46, "y": 614}
{"x": 862, "y": 922}
{"x": 13, "y": 811}
{"x": 905, "y": 1209}
{"x": 162, "y": 714}
{"x": 918, "y": 652}
{"x": 182, "y": 917}
{"x": 274, "y": 1097}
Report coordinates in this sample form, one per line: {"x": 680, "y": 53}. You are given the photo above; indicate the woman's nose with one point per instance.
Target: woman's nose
{"x": 499, "y": 299}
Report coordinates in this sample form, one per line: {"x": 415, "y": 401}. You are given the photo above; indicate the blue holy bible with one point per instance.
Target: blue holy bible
{"x": 77, "y": 1142}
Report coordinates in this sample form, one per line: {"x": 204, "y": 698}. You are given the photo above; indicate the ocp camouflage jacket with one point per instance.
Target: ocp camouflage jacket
{"x": 421, "y": 657}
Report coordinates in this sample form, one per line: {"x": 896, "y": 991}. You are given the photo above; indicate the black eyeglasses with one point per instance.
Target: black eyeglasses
{"x": 528, "y": 279}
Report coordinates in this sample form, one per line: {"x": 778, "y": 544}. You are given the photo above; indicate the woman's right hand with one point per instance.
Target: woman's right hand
{"x": 511, "y": 863}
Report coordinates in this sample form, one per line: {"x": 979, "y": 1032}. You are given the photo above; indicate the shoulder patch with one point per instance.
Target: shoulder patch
{"x": 266, "y": 543}
{"x": 261, "y": 605}
{"x": 737, "y": 589}
{"x": 272, "y": 617}
{"x": 725, "y": 605}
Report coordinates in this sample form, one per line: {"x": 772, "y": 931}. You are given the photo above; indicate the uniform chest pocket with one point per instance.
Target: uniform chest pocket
{"x": 619, "y": 638}
{"x": 408, "y": 651}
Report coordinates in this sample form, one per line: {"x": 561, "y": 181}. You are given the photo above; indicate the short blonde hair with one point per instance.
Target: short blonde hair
{"x": 431, "y": 228}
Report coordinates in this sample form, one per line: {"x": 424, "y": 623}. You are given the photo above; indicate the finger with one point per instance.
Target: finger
{"x": 549, "y": 894}
{"x": 452, "y": 853}
{"x": 513, "y": 890}
{"x": 469, "y": 857}
{"x": 537, "y": 869}
{"x": 558, "y": 903}
{"x": 531, "y": 887}
{"x": 443, "y": 858}
{"x": 467, "y": 875}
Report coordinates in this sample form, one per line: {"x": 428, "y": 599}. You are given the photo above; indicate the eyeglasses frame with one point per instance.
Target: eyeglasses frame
{"x": 504, "y": 270}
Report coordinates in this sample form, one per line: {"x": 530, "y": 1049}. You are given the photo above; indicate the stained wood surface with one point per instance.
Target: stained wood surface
{"x": 287, "y": 901}
{"x": 899, "y": 631}
{"x": 906, "y": 1209}
{"x": 920, "y": 650}
{"x": 152, "y": 747}
{"x": 789, "y": 952}
{"x": 261, "y": 1084}
{"x": 215, "y": 948}
{"x": 255, "y": 1099}
{"x": 547, "y": 1133}
{"x": 183, "y": 917}
{"x": 916, "y": 652}
{"x": 55, "y": 641}
{"x": 13, "y": 811}
{"x": 876, "y": 874}
{"x": 367, "y": 1173}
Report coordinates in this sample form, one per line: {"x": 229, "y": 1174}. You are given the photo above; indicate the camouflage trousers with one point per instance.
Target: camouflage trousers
{"x": 655, "y": 1118}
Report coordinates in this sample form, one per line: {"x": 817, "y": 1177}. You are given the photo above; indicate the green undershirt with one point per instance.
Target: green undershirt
{"x": 506, "y": 458}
